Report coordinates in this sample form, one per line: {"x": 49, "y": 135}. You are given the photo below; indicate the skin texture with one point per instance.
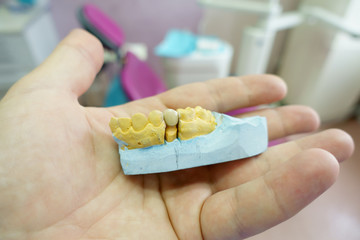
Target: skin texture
{"x": 60, "y": 176}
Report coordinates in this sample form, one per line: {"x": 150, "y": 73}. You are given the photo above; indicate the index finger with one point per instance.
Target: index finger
{"x": 226, "y": 94}
{"x": 220, "y": 95}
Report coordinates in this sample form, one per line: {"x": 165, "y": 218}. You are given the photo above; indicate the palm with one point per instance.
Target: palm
{"x": 64, "y": 181}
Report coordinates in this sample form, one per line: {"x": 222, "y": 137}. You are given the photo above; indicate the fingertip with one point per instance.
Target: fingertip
{"x": 281, "y": 84}
{"x": 343, "y": 145}
{"x": 267, "y": 88}
{"x": 304, "y": 118}
{"x": 324, "y": 165}
{"x": 88, "y": 45}
{"x": 74, "y": 63}
{"x": 315, "y": 117}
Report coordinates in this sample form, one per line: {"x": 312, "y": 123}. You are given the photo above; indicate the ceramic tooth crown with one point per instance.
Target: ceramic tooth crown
{"x": 139, "y": 131}
{"x": 194, "y": 122}
{"x": 171, "y": 117}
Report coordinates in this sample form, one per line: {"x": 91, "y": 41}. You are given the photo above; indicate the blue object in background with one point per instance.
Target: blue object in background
{"x": 177, "y": 43}
{"x": 27, "y": 2}
{"x": 19, "y": 6}
{"x": 115, "y": 95}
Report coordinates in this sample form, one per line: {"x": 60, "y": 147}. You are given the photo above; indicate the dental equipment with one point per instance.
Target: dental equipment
{"x": 200, "y": 138}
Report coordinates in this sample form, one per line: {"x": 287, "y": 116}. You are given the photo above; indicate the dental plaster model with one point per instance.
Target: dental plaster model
{"x": 186, "y": 138}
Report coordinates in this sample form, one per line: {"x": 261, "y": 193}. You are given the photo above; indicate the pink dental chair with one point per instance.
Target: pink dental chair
{"x": 137, "y": 79}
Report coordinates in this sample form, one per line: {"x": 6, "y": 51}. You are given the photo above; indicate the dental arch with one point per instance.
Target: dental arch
{"x": 140, "y": 131}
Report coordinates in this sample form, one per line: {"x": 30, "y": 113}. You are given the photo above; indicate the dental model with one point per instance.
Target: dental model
{"x": 185, "y": 138}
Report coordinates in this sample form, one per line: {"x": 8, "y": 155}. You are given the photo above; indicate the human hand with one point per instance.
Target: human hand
{"x": 60, "y": 176}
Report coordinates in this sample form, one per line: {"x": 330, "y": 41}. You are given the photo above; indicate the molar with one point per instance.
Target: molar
{"x": 203, "y": 114}
{"x": 195, "y": 122}
{"x": 187, "y": 114}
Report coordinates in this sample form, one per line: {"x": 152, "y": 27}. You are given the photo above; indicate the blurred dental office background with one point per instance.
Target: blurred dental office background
{"x": 155, "y": 45}
{"x": 313, "y": 44}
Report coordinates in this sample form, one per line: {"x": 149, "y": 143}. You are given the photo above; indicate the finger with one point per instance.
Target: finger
{"x": 253, "y": 207}
{"x": 72, "y": 66}
{"x": 234, "y": 173}
{"x": 337, "y": 142}
{"x": 287, "y": 120}
{"x": 221, "y": 95}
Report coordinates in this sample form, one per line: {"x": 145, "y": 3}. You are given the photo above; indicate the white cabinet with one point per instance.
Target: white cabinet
{"x": 26, "y": 39}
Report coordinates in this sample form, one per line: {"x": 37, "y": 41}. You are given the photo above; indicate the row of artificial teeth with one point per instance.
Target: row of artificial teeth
{"x": 140, "y": 131}
{"x": 138, "y": 121}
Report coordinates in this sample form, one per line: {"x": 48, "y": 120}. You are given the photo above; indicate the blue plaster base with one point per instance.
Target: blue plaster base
{"x": 232, "y": 139}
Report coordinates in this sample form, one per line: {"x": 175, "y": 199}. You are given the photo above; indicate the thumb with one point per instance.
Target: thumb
{"x": 72, "y": 66}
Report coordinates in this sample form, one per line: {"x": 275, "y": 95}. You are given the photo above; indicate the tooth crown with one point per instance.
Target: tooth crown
{"x": 195, "y": 122}
{"x": 139, "y": 131}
